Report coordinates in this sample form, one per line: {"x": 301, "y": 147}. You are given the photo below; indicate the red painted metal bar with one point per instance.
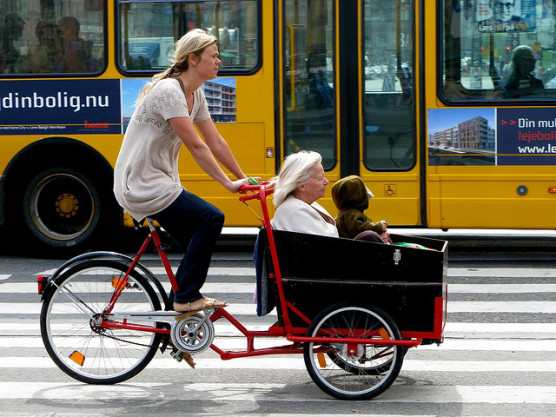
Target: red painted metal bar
{"x": 264, "y": 190}
{"x": 439, "y": 323}
{"x": 162, "y": 255}
{"x": 381, "y": 342}
{"x": 272, "y": 332}
{"x": 119, "y": 288}
{"x": 298, "y": 313}
{"x": 250, "y": 336}
{"x": 278, "y": 350}
{"x": 130, "y": 326}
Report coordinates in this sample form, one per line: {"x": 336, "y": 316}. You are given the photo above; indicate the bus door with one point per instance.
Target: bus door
{"x": 348, "y": 78}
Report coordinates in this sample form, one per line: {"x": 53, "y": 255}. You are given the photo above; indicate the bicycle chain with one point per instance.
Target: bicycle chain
{"x": 105, "y": 334}
{"x": 123, "y": 340}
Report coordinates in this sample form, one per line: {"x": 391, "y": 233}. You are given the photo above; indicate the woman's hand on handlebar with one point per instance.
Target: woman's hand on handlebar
{"x": 238, "y": 185}
{"x": 235, "y": 186}
{"x": 254, "y": 183}
{"x": 254, "y": 180}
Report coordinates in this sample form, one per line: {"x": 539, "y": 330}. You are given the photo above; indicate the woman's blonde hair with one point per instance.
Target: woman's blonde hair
{"x": 296, "y": 170}
{"x": 193, "y": 42}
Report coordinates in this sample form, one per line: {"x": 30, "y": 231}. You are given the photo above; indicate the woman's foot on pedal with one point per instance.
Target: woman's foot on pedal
{"x": 204, "y": 303}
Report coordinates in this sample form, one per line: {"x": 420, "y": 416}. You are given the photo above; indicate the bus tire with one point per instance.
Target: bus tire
{"x": 62, "y": 208}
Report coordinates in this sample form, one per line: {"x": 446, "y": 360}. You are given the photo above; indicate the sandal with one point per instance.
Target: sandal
{"x": 207, "y": 304}
{"x": 188, "y": 358}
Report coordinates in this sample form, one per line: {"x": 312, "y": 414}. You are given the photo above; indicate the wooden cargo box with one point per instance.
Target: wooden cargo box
{"x": 408, "y": 283}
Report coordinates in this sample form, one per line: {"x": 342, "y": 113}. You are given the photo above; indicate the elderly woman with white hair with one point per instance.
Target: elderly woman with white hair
{"x": 300, "y": 183}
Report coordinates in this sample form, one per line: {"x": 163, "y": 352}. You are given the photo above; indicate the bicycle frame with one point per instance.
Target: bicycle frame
{"x": 295, "y": 335}
{"x": 346, "y": 334}
{"x": 292, "y": 334}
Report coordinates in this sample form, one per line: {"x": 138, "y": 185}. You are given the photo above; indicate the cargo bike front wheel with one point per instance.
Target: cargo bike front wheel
{"x": 72, "y": 310}
{"x": 353, "y": 371}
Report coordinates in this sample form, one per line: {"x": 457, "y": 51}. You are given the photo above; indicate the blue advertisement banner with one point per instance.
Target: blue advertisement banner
{"x": 488, "y": 136}
{"x": 60, "y": 107}
{"x": 526, "y": 136}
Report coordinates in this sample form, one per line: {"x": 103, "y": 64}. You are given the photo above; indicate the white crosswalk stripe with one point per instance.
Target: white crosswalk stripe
{"x": 296, "y": 362}
{"x": 516, "y": 353}
{"x": 160, "y": 271}
{"x": 541, "y": 307}
{"x": 249, "y": 288}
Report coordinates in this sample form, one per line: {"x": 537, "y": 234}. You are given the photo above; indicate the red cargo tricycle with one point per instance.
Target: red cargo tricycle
{"x": 351, "y": 308}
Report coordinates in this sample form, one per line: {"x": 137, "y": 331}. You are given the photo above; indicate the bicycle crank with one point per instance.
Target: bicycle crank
{"x": 192, "y": 334}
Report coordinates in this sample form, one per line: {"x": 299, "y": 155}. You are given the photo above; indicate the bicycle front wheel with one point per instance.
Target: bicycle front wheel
{"x": 69, "y": 323}
{"x": 353, "y": 371}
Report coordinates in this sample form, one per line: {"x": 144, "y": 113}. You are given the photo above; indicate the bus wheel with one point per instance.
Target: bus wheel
{"x": 61, "y": 208}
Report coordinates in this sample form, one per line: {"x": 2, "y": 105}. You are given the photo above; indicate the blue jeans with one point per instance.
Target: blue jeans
{"x": 196, "y": 225}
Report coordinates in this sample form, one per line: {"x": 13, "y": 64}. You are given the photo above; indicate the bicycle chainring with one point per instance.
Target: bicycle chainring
{"x": 193, "y": 334}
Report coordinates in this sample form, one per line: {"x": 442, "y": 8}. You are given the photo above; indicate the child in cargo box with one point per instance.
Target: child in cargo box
{"x": 351, "y": 197}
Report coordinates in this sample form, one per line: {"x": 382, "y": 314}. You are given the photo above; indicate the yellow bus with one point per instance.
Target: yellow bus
{"x": 444, "y": 108}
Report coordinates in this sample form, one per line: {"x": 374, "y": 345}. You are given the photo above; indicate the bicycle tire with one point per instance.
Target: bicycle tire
{"x": 84, "y": 351}
{"x": 357, "y": 375}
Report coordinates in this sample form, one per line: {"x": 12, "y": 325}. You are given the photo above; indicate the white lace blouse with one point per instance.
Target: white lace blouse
{"x": 146, "y": 178}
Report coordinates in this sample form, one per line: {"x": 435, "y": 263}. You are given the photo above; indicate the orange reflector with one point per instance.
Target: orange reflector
{"x": 77, "y": 357}
{"x": 552, "y": 189}
{"x": 383, "y": 333}
{"x": 321, "y": 359}
{"x": 118, "y": 283}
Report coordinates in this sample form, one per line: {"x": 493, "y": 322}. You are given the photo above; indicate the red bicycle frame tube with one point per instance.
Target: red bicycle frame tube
{"x": 263, "y": 190}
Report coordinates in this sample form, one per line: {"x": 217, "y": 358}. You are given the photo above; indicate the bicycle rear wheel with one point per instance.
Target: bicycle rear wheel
{"x": 353, "y": 371}
{"x": 76, "y": 344}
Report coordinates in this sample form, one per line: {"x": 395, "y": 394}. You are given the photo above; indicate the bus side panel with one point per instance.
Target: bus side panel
{"x": 499, "y": 199}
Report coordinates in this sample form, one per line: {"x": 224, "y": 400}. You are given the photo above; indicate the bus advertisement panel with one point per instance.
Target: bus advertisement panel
{"x": 60, "y": 107}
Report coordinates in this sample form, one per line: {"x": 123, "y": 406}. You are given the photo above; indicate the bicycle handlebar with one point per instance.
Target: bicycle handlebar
{"x": 265, "y": 186}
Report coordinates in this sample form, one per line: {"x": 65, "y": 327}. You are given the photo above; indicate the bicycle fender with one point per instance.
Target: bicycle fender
{"x": 45, "y": 282}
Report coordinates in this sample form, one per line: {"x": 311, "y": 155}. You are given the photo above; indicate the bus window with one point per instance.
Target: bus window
{"x": 388, "y": 107}
{"x": 64, "y": 37}
{"x": 150, "y": 28}
{"x": 309, "y": 78}
{"x": 498, "y": 50}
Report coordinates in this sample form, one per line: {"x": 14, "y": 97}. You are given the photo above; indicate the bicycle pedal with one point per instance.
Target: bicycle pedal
{"x": 185, "y": 356}
{"x": 176, "y": 354}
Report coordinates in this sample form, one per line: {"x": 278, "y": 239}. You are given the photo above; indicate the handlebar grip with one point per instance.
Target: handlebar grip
{"x": 267, "y": 185}
{"x": 254, "y": 196}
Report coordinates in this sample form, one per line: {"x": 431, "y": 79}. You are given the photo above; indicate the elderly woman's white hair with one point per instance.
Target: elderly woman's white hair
{"x": 296, "y": 170}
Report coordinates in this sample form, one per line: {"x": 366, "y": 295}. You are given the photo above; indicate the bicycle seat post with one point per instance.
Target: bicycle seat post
{"x": 161, "y": 250}
{"x": 152, "y": 228}
{"x": 159, "y": 246}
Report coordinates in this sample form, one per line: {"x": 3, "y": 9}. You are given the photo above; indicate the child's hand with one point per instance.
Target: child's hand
{"x": 385, "y": 237}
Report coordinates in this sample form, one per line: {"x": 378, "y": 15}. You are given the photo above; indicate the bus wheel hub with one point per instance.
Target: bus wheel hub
{"x": 67, "y": 205}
